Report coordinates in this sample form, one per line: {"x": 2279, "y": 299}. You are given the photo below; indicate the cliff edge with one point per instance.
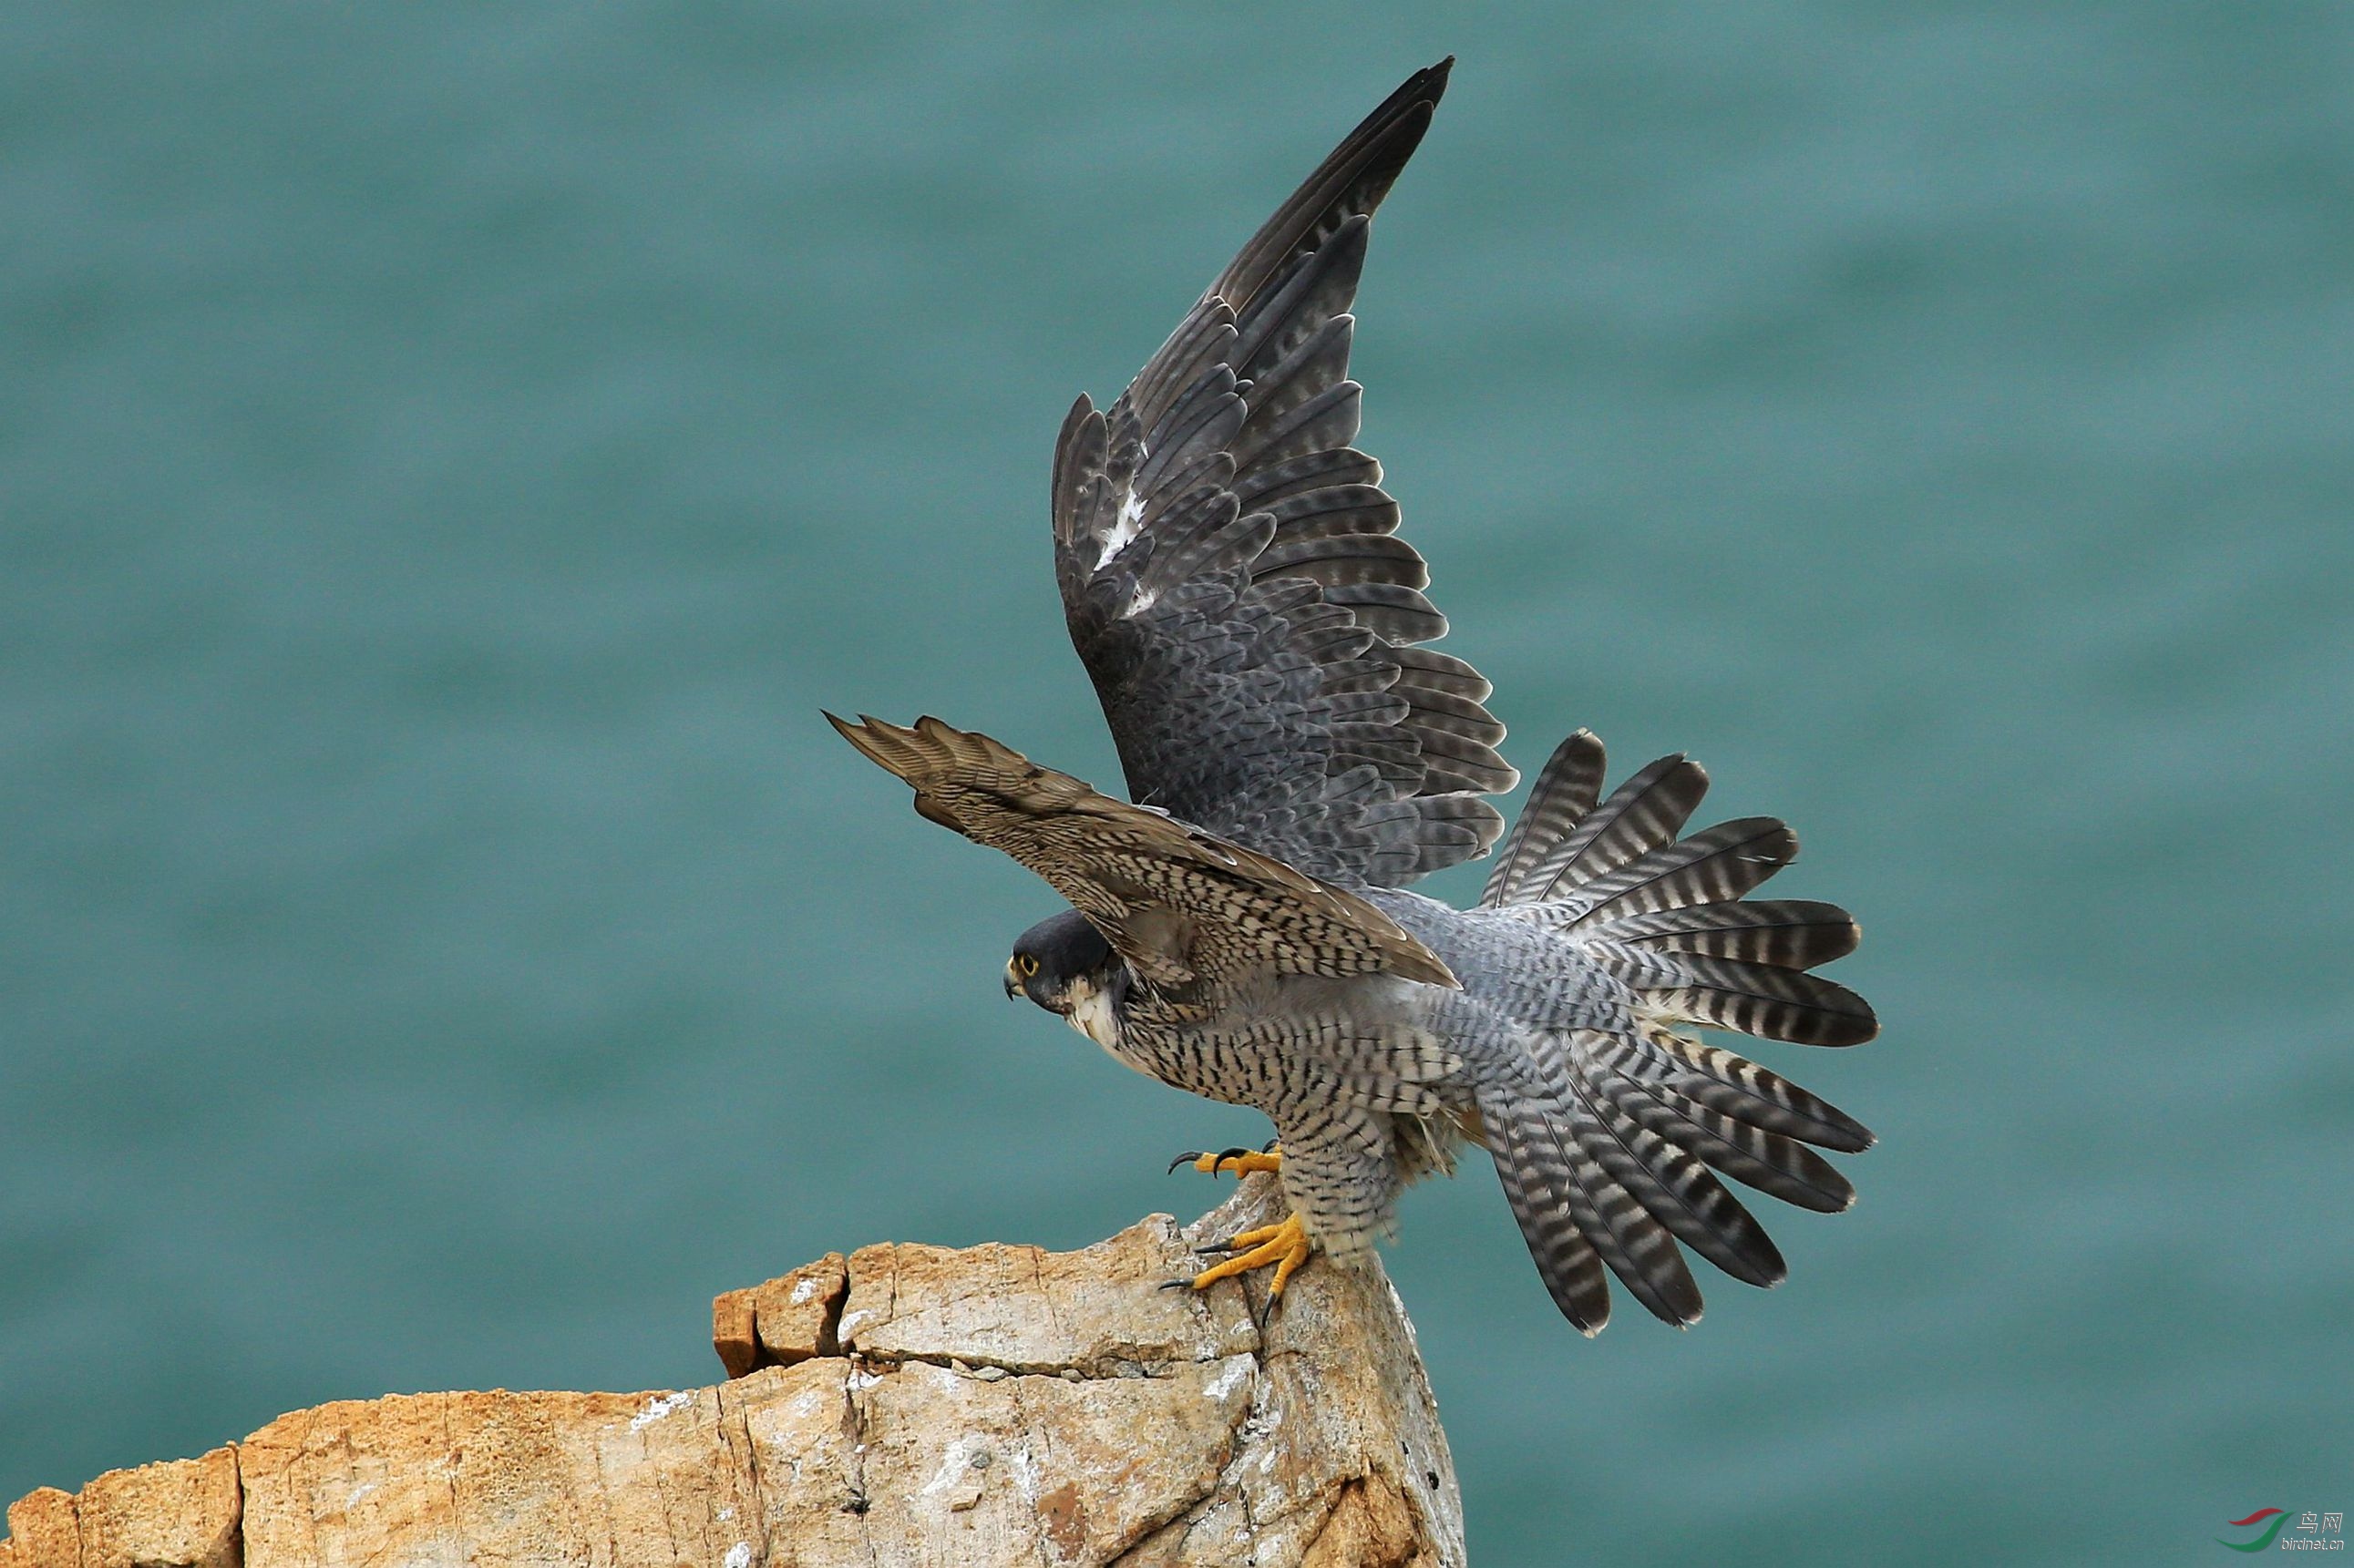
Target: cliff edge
{"x": 907, "y": 1405}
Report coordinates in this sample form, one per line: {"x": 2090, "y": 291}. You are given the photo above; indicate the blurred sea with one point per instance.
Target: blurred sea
{"x": 449, "y": 454}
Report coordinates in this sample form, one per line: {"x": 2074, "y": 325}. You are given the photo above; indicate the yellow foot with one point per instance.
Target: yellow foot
{"x": 1241, "y": 1161}
{"x": 1286, "y": 1246}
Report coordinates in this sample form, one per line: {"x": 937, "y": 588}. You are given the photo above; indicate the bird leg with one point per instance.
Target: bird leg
{"x": 1241, "y": 1161}
{"x": 1283, "y": 1246}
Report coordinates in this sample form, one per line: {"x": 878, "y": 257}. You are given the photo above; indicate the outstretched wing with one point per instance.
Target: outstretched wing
{"x": 1232, "y": 575}
{"x": 1179, "y": 904}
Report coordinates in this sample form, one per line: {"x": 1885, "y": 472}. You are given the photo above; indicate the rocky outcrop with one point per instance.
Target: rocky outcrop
{"x": 907, "y": 1405}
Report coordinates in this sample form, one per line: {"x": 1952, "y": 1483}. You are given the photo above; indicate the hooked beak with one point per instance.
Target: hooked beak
{"x": 1012, "y": 982}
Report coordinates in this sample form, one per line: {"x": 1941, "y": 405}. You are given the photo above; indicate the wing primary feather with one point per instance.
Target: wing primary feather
{"x": 1353, "y": 179}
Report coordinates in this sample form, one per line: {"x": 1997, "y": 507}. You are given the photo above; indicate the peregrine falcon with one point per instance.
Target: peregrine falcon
{"x": 1297, "y": 754}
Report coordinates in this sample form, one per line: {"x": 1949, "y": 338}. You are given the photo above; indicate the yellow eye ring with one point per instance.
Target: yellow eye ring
{"x": 1024, "y": 965}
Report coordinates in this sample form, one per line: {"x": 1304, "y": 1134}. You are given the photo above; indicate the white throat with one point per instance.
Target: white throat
{"x": 1091, "y": 1015}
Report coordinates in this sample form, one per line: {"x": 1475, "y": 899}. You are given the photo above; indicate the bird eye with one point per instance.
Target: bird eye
{"x": 1024, "y": 965}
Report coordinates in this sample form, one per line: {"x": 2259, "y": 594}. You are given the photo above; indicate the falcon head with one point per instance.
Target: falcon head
{"x": 1065, "y": 966}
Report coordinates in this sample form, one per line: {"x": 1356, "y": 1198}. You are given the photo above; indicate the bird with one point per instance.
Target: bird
{"x": 1297, "y": 754}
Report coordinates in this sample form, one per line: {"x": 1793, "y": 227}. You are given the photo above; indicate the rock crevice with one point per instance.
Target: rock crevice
{"x": 905, "y": 1404}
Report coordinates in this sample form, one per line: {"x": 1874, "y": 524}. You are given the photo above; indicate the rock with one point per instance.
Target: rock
{"x": 787, "y": 1321}
{"x": 910, "y": 1405}
{"x": 182, "y": 1514}
{"x": 1093, "y": 1313}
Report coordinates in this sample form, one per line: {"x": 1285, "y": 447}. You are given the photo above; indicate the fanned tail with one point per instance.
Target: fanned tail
{"x": 1666, "y": 915}
{"x": 1635, "y": 1122}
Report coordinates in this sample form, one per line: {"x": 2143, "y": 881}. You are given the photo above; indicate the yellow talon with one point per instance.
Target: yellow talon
{"x": 1240, "y": 1161}
{"x": 1286, "y": 1246}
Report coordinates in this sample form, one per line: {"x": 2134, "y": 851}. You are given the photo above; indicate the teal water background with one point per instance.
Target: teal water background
{"x": 449, "y": 454}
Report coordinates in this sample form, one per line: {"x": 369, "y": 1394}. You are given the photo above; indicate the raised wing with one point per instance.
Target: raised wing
{"x": 1230, "y": 568}
{"x": 1183, "y": 906}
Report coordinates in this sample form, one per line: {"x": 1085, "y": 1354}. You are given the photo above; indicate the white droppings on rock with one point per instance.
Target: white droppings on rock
{"x": 738, "y": 1556}
{"x": 803, "y": 1292}
{"x": 657, "y": 1408}
{"x": 1026, "y": 1475}
{"x": 956, "y": 1468}
{"x": 1237, "y": 1372}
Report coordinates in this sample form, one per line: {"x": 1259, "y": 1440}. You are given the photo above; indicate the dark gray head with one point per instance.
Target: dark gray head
{"x": 1060, "y": 963}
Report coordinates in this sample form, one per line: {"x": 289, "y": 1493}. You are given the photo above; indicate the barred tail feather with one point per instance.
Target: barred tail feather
{"x": 1751, "y": 1141}
{"x": 1641, "y": 814}
{"x": 1563, "y": 796}
{"x": 1734, "y": 1086}
{"x": 1769, "y": 1003}
{"x": 1565, "y": 1260}
{"x": 1715, "y": 865}
{"x": 1550, "y": 1158}
{"x": 1777, "y": 1166}
{"x": 1793, "y": 933}
{"x": 1677, "y": 1187}
{"x": 1625, "y": 1145}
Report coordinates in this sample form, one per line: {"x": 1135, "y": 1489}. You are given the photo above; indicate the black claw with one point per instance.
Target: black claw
{"x": 1185, "y": 1159}
{"x": 1223, "y": 1155}
{"x": 1176, "y": 1284}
